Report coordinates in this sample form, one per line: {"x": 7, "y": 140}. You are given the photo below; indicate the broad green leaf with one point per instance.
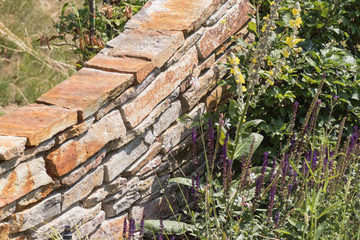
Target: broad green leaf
{"x": 320, "y": 229}
{"x": 244, "y": 147}
{"x": 181, "y": 180}
{"x": 170, "y": 227}
{"x": 252, "y": 28}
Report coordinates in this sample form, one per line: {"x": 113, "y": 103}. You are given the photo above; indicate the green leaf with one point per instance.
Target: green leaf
{"x": 320, "y": 229}
{"x": 244, "y": 147}
{"x": 170, "y": 227}
{"x": 252, "y": 28}
{"x": 181, "y": 180}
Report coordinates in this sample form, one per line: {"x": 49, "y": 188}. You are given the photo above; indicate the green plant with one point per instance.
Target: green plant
{"x": 87, "y": 34}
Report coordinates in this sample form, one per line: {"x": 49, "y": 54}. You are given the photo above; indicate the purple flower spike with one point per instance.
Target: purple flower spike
{"x": 131, "y": 229}
{"x": 272, "y": 200}
{"x": 276, "y": 218}
{"x": 161, "y": 235}
{"x": 125, "y": 229}
{"x": 211, "y": 139}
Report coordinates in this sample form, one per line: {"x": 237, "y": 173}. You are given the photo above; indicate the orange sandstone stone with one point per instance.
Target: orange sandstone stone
{"x": 139, "y": 67}
{"x": 155, "y": 46}
{"x": 87, "y": 90}
{"x": 37, "y": 122}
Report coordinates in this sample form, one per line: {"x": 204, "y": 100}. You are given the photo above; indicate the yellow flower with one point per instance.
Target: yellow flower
{"x": 271, "y": 72}
{"x": 292, "y": 23}
{"x": 254, "y": 60}
{"x": 271, "y": 82}
{"x": 244, "y": 119}
{"x": 234, "y": 70}
{"x": 289, "y": 41}
{"x": 295, "y": 12}
{"x": 271, "y": 3}
{"x": 233, "y": 61}
{"x": 298, "y": 22}
{"x": 243, "y": 89}
{"x": 270, "y": 63}
{"x": 241, "y": 78}
{"x": 263, "y": 28}
{"x": 286, "y": 53}
{"x": 296, "y": 41}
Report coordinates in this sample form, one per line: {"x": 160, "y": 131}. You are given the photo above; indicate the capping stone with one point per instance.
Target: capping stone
{"x": 37, "y": 122}
{"x": 87, "y": 90}
{"x": 76, "y": 151}
{"x": 214, "y": 36}
{"x": 155, "y": 46}
{"x": 162, "y": 86}
{"x": 139, "y": 67}
{"x": 173, "y": 15}
{"x": 11, "y": 147}
{"x": 25, "y": 178}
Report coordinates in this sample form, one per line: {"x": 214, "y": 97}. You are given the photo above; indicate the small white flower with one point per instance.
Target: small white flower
{"x": 240, "y": 201}
{"x": 252, "y": 176}
{"x": 227, "y": 123}
{"x": 195, "y": 82}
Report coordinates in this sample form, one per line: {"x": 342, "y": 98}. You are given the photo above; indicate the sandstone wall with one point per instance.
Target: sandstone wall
{"x": 96, "y": 148}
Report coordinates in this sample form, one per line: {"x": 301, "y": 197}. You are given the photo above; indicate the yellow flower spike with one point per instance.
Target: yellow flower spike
{"x": 271, "y": 82}
{"x": 292, "y": 23}
{"x": 286, "y": 53}
{"x": 241, "y": 78}
{"x": 289, "y": 41}
{"x": 295, "y": 12}
{"x": 298, "y": 22}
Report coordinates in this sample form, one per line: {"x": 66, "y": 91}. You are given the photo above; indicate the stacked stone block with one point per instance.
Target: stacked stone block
{"x": 101, "y": 146}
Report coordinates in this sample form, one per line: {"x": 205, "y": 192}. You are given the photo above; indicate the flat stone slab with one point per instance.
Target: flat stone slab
{"x": 11, "y": 147}
{"x": 140, "y": 68}
{"x": 37, "y": 122}
{"x": 87, "y": 90}
{"x": 173, "y": 15}
{"x": 155, "y": 46}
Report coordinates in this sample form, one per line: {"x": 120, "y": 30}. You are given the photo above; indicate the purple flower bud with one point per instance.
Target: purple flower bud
{"x": 336, "y": 98}
{"x": 276, "y": 218}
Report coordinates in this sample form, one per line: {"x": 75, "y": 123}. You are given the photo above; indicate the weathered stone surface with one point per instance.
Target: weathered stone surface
{"x": 156, "y": 209}
{"x": 172, "y": 136}
{"x": 74, "y": 152}
{"x": 23, "y": 179}
{"x": 114, "y": 208}
{"x": 173, "y": 15}
{"x": 214, "y": 36}
{"x": 167, "y": 118}
{"x": 138, "y": 67}
{"x": 119, "y": 160}
{"x": 149, "y": 137}
{"x": 155, "y": 46}
{"x": 150, "y": 154}
{"x": 133, "y": 91}
{"x": 149, "y": 166}
{"x": 87, "y": 90}
{"x": 7, "y": 211}
{"x": 85, "y": 230}
{"x": 75, "y": 130}
{"x": 11, "y": 147}
{"x": 192, "y": 96}
{"x": 36, "y": 195}
{"x": 217, "y": 97}
{"x": 116, "y": 185}
{"x": 83, "y": 188}
{"x": 136, "y": 110}
{"x": 4, "y": 231}
{"x": 74, "y": 217}
{"x": 36, "y": 122}
{"x": 34, "y": 216}
{"x": 204, "y": 64}
{"x": 111, "y": 229}
{"x": 95, "y": 198}
{"x": 130, "y": 187}
{"x": 78, "y": 173}
{"x": 220, "y": 12}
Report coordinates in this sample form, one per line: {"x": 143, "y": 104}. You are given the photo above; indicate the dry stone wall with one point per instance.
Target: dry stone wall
{"x": 96, "y": 148}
